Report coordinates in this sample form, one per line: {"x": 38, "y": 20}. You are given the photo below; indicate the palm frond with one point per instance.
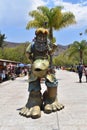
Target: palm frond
{"x": 67, "y": 19}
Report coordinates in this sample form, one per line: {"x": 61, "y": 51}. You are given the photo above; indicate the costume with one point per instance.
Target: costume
{"x": 39, "y": 53}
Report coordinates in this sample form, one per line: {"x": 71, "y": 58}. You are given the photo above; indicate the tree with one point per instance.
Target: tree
{"x": 78, "y": 48}
{"x": 16, "y": 53}
{"x": 2, "y": 44}
{"x": 2, "y": 38}
{"x": 53, "y": 19}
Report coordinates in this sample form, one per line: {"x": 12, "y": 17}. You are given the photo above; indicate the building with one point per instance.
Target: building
{"x": 4, "y": 63}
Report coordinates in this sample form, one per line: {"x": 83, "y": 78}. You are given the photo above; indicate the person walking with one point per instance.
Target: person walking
{"x": 85, "y": 72}
{"x": 80, "y": 71}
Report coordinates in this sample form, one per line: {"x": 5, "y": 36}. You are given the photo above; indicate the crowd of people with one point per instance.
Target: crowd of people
{"x": 12, "y": 73}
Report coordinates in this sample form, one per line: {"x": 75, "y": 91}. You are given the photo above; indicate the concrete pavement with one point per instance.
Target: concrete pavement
{"x": 71, "y": 93}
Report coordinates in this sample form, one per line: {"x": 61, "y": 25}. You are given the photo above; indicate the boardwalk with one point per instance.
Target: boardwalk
{"x": 71, "y": 93}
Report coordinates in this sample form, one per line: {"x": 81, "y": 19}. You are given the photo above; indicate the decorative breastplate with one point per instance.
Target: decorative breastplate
{"x": 41, "y": 47}
{"x": 40, "y": 51}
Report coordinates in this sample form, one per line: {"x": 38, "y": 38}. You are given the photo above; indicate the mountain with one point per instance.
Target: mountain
{"x": 60, "y": 48}
{"x": 11, "y": 44}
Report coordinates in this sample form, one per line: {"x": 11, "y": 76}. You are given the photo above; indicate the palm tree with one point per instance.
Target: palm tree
{"x": 78, "y": 48}
{"x": 53, "y": 18}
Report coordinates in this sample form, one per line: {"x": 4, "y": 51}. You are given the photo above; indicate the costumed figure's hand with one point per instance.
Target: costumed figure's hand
{"x": 52, "y": 48}
{"x": 30, "y": 57}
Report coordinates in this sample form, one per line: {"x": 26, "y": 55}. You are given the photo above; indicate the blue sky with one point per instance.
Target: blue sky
{"x": 14, "y": 18}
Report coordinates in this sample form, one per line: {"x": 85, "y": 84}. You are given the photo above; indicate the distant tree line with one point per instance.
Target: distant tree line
{"x": 17, "y": 53}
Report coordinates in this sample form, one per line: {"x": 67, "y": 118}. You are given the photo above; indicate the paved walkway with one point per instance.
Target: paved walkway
{"x": 71, "y": 93}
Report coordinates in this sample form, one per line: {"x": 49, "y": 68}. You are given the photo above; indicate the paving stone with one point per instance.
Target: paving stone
{"x": 71, "y": 93}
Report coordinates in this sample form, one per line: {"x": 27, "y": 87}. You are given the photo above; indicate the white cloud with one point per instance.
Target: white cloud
{"x": 16, "y": 12}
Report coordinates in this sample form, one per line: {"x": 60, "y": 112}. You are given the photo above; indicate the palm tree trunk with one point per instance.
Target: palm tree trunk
{"x": 50, "y": 38}
{"x": 50, "y": 34}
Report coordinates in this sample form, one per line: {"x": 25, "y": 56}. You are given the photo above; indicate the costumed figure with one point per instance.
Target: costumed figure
{"x": 39, "y": 53}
